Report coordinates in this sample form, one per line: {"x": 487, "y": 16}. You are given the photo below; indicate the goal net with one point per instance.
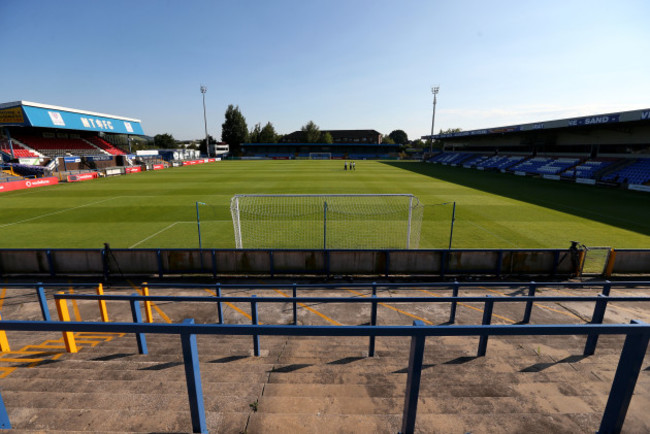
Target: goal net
{"x": 320, "y": 155}
{"x": 333, "y": 221}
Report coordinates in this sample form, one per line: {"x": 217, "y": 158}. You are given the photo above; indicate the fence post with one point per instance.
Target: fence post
{"x": 147, "y": 304}
{"x": 4, "y": 343}
{"x": 454, "y": 293}
{"x": 214, "y": 264}
{"x": 374, "y": 288}
{"x": 607, "y": 287}
{"x": 596, "y": 318}
{"x": 64, "y": 315}
{"x": 193, "y": 379}
{"x": 609, "y": 268}
{"x": 414, "y": 374}
{"x": 4, "y": 417}
{"x": 627, "y": 373}
{"x": 102, "y": 303}
{"x": 373, "y": 322}
{"x": 137, "y": 318}
{"x": 219, "y": 305}
{"x": 161, "y": 271}
{"x": 294, "y": 294}
{"x": 50, "y": 263}
{"x": 256, "y": 338}
{"x": 105, "y": 265}
{"x": 529, "y": 303}
{"x": 487, "y": 319}
{"x": 42, "y": 301}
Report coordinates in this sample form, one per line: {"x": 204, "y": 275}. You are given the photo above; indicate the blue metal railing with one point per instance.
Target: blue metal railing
{"x": 637, "y": 336}
{"x": 627, "y": 371}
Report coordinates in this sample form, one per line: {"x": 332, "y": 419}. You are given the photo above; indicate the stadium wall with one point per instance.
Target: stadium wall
{"x": 238, "y": 262}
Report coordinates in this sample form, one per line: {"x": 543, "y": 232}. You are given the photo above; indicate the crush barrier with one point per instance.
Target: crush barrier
{"x": 636, "y": 342}
{"x": 637, "y": 336}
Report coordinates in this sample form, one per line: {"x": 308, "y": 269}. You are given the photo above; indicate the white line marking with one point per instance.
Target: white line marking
{"x": 157, "y": 233}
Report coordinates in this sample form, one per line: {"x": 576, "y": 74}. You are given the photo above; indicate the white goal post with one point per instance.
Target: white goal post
{"x": 326, "y": 221}
{"x": 320, "y": 155}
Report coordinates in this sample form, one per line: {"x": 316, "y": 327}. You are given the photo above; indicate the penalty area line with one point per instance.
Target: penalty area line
{"x": 157, "y": 233}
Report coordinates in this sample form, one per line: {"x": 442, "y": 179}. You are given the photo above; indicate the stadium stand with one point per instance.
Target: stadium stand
{"x": 587, "y": 169}
{"x": 635, "y": 173}
{"x": 498, "y": 162}
{"x": 58, "y": 146}
{"x": 451, "y": 158}
{"x": 19, "y": 151}
{"x": 28, "y": 170}
{"x": 103, "y": 144}
{"x": 473, "y": 161}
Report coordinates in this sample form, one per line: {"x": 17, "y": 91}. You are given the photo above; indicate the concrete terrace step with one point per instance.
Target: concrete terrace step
{"x": 426, "y": 423}
{"x": 143, "y": 402}
{"x": 161, "y": 420}
{"x": 161, "y": 386}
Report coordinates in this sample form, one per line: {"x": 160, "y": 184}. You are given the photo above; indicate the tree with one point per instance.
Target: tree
{"x": 234, "y": 130}
{"x": 268, "y": 134}
{"x": 254, "y": 135}
{"x": 312, "y": 132}
{"x": 164, "y": 141}
{"x": 451, "y": 130}
{"x": 326, "y": 137}
{"x": 399, "y": 136}
{"x": 387, "y": 140}
{"x": 417, "y": 144}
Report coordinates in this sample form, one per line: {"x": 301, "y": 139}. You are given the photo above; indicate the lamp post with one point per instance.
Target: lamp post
{"x": 204, "y": 89}
{"x": 434, "y": 91}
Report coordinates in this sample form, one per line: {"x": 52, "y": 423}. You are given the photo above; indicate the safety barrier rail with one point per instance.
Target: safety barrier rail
{"x": 600, "y": 305}
{"x": 637, "y": 336}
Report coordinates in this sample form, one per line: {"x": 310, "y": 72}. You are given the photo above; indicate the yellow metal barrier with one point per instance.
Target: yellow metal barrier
{"x": 4, "y": 343}
{"x": 102, "y": 304}
{"x": 64, "y": 315}
{"x": 581, "y": 262}
{"x": 610, "y": 263}
{"x": 147, "y": 304}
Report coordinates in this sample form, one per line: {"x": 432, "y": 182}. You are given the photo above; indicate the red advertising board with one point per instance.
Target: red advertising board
{"x": 201, "y": 161}
{"x": 27, "y": 183}
{"x": 133, "y": 169}
{"x": 158, "y": 166}
{"x": 82, "y": 177}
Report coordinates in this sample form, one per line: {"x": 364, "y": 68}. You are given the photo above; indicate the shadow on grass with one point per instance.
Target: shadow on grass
{"x": 621, "y": 208}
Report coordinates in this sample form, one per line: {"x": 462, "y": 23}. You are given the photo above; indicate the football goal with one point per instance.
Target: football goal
{"x": 326, "y": 221}
{"x": 320, "y": 155}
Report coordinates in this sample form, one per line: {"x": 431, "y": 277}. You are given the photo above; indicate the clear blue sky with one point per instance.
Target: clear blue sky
{"x": 345, "y": 64}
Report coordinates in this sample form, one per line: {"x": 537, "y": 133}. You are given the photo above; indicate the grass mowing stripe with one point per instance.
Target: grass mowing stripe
{"x": 57, "y": 212}
{"x": 493, "y": 210}
{"x": 491, "y": 233}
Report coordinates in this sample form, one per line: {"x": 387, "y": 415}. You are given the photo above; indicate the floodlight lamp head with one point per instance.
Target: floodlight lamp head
{"x": 204, "y": 89}
{"x": 435, "y": 90}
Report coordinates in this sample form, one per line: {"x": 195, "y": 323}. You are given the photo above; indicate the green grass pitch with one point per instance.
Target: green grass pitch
{"x": 157, "y": 209}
